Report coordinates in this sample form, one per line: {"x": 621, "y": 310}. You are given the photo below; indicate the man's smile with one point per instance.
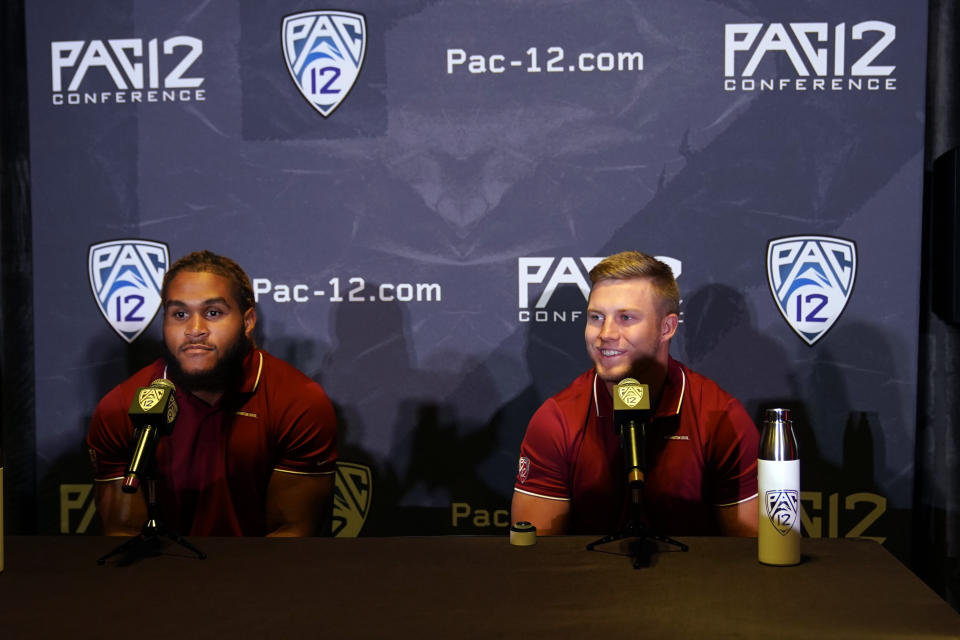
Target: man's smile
{"x": 610, "y": 353}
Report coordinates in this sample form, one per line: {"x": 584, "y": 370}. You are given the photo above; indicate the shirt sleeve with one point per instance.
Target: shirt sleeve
{"x": 308, "y": 433}
{"x": 110, "y": 438}
{"x": 543, "y": 469}
{"x": 733, "y": 456}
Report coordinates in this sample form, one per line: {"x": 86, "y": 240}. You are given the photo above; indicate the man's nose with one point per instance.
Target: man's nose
{"x": 608, "y": 330}
{"x": 197, "y": 325}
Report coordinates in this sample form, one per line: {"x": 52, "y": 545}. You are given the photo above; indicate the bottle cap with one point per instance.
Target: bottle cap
{"x": 778, "y": 414}
{"x": 523, "y": 534}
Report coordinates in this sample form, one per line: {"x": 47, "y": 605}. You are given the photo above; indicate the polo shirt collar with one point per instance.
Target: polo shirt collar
{"x": 252, "y": 370}
{"x": 671, "y": 396}
{"x": 674, "y": 387}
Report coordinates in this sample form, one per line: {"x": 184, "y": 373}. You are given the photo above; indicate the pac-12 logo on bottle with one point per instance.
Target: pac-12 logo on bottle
{"x": 324, "y": 52}
{"x": 125, "y": 277}
{"x": 811, "y": 279}
{"x": 782, "y": 506}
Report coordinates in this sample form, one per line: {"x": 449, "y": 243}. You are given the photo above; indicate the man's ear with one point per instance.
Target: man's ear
{"x": 668, "y": 326}
{"x": 249, "y": 322}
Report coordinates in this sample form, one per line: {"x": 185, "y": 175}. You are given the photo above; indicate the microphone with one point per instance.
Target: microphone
{"x": 153, "y": 412}
{"x": 631, "y": 408}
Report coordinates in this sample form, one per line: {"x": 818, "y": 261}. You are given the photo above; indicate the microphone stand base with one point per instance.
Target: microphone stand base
{"x": 152, "y": 533}
{"x": 643, "y": 534}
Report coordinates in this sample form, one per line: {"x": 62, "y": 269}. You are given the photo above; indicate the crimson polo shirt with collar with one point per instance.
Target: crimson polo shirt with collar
{"x": 701, "y": 452}
{"x": 214, "y": 467}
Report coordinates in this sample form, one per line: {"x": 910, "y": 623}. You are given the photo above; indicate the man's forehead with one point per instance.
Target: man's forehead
{"x": 200, "y": 286}
{"x": 633, "y": 287}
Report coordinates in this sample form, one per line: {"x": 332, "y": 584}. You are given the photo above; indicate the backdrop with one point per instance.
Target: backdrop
{"x": 418, "y": 191}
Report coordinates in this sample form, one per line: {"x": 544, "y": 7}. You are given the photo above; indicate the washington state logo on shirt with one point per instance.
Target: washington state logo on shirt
{"x": 523, "y": 469}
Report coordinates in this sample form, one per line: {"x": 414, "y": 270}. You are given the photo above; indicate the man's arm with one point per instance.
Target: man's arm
{"x": 738, "y": 519}
{"x": 123, "y": 514}
{"x": 550, "y": 517}
{"x": 297, "y": 503}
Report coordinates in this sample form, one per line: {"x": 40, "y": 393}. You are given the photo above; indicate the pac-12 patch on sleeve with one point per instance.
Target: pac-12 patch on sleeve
{"x": 523, "y": 469}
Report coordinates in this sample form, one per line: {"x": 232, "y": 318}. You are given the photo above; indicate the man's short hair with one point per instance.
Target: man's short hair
{"x": 629, "y": 265}
{"x": 209, "y": 262}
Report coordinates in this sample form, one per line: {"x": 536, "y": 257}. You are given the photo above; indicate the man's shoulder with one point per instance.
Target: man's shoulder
{"x": 293, "y": 406}
{"x": 576, "y": 396}
{"x": 279, "y": 368}
{"x": 706, "y": 396}
{"x": 702, "y": 386}
{"x": 281, "y": 377}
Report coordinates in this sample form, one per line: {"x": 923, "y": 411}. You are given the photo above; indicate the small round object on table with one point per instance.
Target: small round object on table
{"x": 523, "y": 534}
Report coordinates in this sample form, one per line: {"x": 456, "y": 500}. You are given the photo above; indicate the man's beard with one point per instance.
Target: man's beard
{"x": 227, "y": 373}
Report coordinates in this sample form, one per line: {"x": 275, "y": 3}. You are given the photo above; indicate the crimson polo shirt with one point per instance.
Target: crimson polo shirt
{"x": 701, "y": 453}
{"x": 214, "y": 467}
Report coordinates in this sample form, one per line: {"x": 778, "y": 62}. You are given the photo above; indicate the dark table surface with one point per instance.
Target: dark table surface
{"x": 450, "y": 587}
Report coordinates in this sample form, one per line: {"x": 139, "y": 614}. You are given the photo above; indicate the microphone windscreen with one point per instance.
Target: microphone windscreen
{"x": 164, "y": 382}
{"x": 630, "y": 395}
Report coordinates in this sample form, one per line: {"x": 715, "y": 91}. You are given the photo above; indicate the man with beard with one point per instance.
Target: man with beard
{"x": 701, "y": 445}
{"x": 253, "y": 448}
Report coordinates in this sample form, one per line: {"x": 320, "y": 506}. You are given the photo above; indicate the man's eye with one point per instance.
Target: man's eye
{"x": 213, "y": 313}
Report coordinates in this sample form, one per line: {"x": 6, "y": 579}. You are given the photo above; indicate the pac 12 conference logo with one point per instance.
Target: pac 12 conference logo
{"x": 811, "y": 278}
{"x": 126, "y": 277}
{"x": 324, "y": 52}
{"x": 125, "y": 71}
{"x": 539, "y": 277}
{"x": 821, "y": 56}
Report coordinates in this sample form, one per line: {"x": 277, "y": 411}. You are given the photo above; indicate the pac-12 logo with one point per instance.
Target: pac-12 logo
{"x": 539, "y": 277}
{"x": 352, "y": 497}
{"x": 324, "y": 52}
{"x": 782, "y": 507}
{"x": 126, "y": 276}
{"x": 823, "y": 58}
{"x": 811, "y": 278}
{"x": 125, "y": 70}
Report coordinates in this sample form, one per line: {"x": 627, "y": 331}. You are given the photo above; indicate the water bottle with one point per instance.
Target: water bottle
{"x": 778, "y": 479}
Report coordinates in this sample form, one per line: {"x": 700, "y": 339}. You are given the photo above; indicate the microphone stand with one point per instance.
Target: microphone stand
{"x": 153, "y": 530}
{"x": 635, "y": 528}
{"x": 631, "y": 405}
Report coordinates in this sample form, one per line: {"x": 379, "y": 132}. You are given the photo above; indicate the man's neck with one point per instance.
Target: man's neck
{"x": 210, "y": 397}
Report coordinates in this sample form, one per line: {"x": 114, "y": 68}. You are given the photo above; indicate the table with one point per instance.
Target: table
{"x": 453, "y": 587}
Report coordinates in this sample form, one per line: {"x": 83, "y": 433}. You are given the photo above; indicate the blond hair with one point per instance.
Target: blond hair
{"x": 629, "y": 265}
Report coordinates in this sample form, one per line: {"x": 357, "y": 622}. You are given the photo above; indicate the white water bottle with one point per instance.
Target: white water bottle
{"x": 778, "y": 479}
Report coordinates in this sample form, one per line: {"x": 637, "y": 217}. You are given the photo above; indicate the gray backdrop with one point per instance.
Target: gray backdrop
{"x": 434, "y": 173}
